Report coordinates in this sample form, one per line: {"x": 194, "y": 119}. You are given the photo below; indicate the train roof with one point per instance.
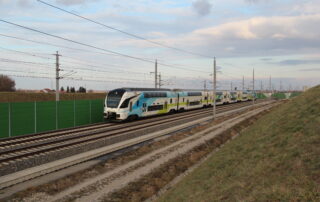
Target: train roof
{"x": 146, "y": 89}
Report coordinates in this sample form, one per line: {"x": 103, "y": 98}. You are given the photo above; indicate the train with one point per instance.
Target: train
{"x": 133, "y": 103}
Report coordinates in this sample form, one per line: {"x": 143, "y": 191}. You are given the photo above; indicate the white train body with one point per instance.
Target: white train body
{"x": 132, "y": 103}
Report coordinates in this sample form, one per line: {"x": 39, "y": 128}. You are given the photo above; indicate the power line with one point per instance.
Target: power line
{"x": 124, "y": 32}
{"x": 25, "y": 53}
{"x": 18, "y": 71}
{"x": 73, "y": 41}
{"x": 85, "y": 62}
{"x": 97, "y": 66}
{"x": 23, "y": 62}
{"x": 54, "y": 45}
{"x": 84, "y": 50}
{"x": 77, "y": 79}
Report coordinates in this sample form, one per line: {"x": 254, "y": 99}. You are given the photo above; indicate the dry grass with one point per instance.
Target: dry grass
{"x": 32, "y": 97}
{"x": 277, "y": 159}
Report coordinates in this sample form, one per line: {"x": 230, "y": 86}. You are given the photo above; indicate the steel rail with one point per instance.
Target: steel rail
{"x": 55, "y": 134}
{"x": 91, "y": 139}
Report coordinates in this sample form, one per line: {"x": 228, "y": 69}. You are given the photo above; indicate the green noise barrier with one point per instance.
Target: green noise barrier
{"x": 35, "y": 117}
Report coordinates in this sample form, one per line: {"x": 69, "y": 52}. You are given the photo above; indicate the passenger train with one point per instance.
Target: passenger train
{"x": 132, "y": 103}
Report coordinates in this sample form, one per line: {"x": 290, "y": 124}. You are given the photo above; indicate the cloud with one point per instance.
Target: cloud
{"x": 202, "y": 7}
{"x": 297, "y": 62}
{"x": 266, "y": 59}
{"x": 20, "y": 3}
{"x": 4, "y": 1}
{"x": 256, "y": 1}
{"x": 280, "y": 27}
{"x": 310, "y": 70}
{"x": 73, "y": 2}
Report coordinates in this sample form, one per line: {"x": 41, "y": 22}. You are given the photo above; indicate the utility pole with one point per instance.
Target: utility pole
{"x": 159, "y": 82}
{"x": 270, "y": 84}
{"x": 214, "y": 88}
{"x": 57, "y": 76}
{"x": 204, "y": 85}
{"x": 156, "y": 74}
{"x": 253, "y": 87}
{"x": 261, "y": 86}
{"x": 231, "y": 86}
{"x": 243, "y": 83}
{"x": 280, "y": 88}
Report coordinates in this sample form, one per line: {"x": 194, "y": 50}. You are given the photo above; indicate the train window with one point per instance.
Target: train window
{"x": 130, "y": 106}
{"x": 205, "y": 98}
{"x": 166, "y": 105}
{"x": 194, "y": 103}
{"x": 194, "y": 94}
{"x": 138, "y": 103}
{"x": 155, "y": 107}
{"x": 155, "y": 94}
{"x": 171, "y": 101}
{"x": 183, "y": 100}
{"x": 125, "y": 103}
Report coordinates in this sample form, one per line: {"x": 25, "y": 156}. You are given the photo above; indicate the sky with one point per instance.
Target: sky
{"x": 277, "y": 38}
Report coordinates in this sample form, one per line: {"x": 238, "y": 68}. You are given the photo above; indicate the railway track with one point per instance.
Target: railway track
{"x": 20, "y": 141}
{"x": 125, "y": 141}
{"x": 22, "y": 149}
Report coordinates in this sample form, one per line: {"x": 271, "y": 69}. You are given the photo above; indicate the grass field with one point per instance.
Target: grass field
{"x": 31, "y": 97}
{"x": 276, "y": 159}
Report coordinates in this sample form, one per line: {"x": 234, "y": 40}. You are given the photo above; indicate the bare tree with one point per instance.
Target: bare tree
{"x": 7, "y": 84}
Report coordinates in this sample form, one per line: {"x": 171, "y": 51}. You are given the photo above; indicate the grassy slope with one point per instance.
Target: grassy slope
{"x": 278, "y": 158}
{"x": 31, "y": 97}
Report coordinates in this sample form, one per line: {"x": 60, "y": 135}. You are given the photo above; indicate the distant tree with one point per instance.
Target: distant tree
{"x": 72, "y": 90}
{"x": 68, "y": 90}
{"x": 7, "y": 84}
{"x": 62, "y": 89}
{"x": 82, "y": 90}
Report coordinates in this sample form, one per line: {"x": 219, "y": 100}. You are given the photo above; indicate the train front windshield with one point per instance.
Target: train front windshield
{"x": 114, "y": 97}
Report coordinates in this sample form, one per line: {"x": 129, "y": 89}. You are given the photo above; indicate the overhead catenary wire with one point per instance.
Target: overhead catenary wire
{"x": 54, "y": 45}
{"x": 23, "y": 62}
{"x": 77, "y": 79}
{"x": 102, "y": 69}
{"x": 104, "y": 53}
{"x": 125, "y": 32}
{"x": 26, "y": 53}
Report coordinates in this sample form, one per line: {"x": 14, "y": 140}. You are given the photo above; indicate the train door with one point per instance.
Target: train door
{"x": 144, "y": 107}
{"x": 166, "y": 105}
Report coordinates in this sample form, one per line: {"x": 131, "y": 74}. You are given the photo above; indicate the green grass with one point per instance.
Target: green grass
{"x": 276, "y": 159}
{"x": 32, "y": 97}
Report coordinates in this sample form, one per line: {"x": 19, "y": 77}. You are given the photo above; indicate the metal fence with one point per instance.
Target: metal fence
{"x": 36, "y": 117}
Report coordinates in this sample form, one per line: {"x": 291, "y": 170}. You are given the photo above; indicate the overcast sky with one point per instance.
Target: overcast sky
{"x": 280, "y": 38}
